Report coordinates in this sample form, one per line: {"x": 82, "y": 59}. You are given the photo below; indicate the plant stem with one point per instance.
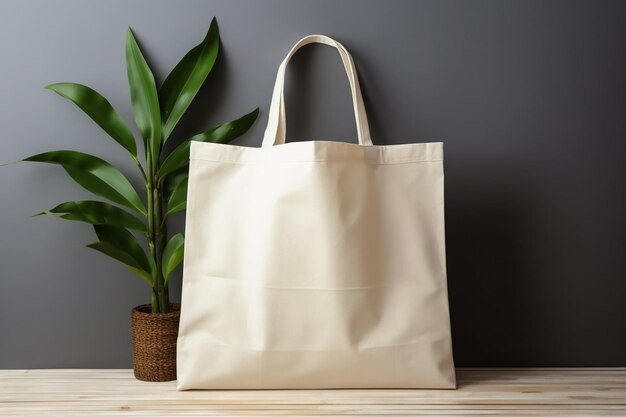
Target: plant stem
{"x": 155, "y": 301}
{"x": 157, "y": 234}
{"x": 151, "y": 232}
{"x": 159, "y": 243}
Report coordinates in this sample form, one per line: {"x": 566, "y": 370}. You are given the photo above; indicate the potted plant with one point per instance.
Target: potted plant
{"x": 156, "y": 113}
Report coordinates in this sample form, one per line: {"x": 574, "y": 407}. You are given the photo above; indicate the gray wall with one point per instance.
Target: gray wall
{"x": 528, "y": 96}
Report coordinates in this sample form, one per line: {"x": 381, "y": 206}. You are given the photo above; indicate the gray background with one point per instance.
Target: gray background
{"x": 528, "y": 96}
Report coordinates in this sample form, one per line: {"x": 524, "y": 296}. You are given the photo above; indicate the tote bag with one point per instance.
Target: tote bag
{"x": 314, "y": 264}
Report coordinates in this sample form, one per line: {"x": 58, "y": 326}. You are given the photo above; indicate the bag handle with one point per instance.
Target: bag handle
{"x": 277, "y": 125}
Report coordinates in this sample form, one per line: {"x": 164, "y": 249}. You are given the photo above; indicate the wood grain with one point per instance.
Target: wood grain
{"x": 115, "y": 392}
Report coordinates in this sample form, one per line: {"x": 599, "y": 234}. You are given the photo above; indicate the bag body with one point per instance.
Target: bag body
{"x": 315, "y": 264}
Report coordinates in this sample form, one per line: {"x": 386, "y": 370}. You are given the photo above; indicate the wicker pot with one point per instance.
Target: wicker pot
{"x": 154, "y": 342}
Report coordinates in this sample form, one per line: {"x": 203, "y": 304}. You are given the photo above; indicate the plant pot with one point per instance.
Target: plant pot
{"x": 154, "y": 342}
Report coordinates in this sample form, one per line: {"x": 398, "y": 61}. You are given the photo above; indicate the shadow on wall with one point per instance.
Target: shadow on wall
{"x": 487, "y": 258}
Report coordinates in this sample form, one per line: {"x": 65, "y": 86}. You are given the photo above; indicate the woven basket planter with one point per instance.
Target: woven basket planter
{"x": 154, "y": 343}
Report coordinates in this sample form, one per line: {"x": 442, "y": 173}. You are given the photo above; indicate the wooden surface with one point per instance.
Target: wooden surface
{"x": 114, "y": 392}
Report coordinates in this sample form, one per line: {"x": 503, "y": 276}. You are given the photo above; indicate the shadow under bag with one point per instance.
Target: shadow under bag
{"x": 315, "y": 264}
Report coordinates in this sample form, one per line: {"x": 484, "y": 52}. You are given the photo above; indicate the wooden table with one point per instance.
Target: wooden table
{"x": 115, "y": 392}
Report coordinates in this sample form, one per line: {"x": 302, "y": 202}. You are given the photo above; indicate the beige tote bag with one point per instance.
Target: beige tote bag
{"x": 315, "y": 264}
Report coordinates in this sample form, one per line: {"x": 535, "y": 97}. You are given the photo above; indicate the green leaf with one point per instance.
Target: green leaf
{"x": 95, "y": 175}
{"x": 222, "y": 133}
{"x": 173, "y": 179}
{"x": 120, "y": 244}
{"x": 182, "y": 84}
{"x": 172, "y": 183}
{"x": 96, "y": 212}
{"x": 121, "y": 256}
{"x": 172, "y": 254}
{"x": 143, "y": 96}
{"x": 100, "y": 111}
{"x": 178, "y": 197}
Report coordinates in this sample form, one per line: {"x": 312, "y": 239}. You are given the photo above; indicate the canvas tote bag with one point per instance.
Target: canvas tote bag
{"x": 315, "y": 264}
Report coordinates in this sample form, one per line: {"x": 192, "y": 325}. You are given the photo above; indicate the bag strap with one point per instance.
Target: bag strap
{"x": 277, "y": 124}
